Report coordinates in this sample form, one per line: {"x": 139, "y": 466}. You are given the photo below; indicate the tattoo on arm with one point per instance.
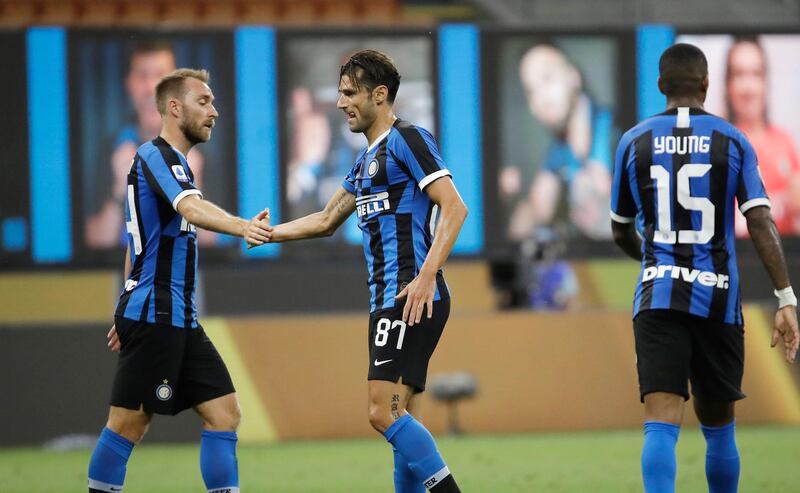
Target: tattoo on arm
{"x": 396, "y": 406}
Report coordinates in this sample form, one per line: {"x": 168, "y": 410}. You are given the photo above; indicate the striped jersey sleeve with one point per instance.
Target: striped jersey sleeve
{"x": 418, "y": 152}
{"x": 167, "y": 176}
{"x": 623, "y": 206}
{"x": 750, "y": 191}
{"x": 349, "y": 182}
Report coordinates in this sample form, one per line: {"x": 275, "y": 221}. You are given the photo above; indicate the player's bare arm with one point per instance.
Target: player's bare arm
{"x": 206, "y": 215}
{"x": 627, "y": 239}
{"x": 420, "y": 292}
{"x": 322, "y": 223}
{"x": 764, "y": 234}
{"x": 113, "y": 339}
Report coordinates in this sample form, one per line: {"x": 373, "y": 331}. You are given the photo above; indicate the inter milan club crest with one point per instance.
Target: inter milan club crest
{"x": 372, "y": 169}
{"x": 164, "y": 391}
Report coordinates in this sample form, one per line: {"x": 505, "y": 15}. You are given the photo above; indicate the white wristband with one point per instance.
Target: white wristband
{"x": 786, "y": 297}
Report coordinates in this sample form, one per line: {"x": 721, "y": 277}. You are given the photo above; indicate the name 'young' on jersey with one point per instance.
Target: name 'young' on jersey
{"x": 163, "y": 245}
{"x": 396, "y": 217}
{"x": 678, "y": 175}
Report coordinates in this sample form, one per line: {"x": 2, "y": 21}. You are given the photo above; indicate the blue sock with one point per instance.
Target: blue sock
{"x": 218, "y": 463}
{"x": 416, "y": 444}
{"x": 404, "y": 480}
{"x": 722, "y": 458}
{"x": 109, "y": 462}
{"x": 658, "y": 457}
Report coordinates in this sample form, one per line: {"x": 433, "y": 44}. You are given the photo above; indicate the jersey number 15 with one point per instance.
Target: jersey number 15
{"x": 664, "y": 232}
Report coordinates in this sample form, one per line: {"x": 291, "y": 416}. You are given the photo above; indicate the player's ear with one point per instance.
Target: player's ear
{"x": 174, "y": 107}
{"x": 379, "y": 94}
{"x": 662, "y": 86}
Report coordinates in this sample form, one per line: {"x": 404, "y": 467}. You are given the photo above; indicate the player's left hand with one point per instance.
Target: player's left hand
{"x": 114, "y": 343}
{"x": 418, "y": 294}
{"x": 786, "y": 329}
{"x": 258, "y": 231}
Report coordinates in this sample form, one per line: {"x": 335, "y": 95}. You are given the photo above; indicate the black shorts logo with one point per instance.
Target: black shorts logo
{"x": 164, "y": 392}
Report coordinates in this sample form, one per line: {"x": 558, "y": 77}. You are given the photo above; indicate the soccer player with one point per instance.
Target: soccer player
{"x": 676, "y": 178}
{"x": 410, "y": 214}
{"x": 167, "y": 363}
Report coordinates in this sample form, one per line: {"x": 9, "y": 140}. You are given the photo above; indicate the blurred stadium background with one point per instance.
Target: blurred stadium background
{"x": 540, "y": 330}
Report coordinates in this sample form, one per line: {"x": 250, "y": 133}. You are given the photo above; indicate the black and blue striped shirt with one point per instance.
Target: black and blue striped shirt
{"x": 163, "y": 246}
{"x": 678, "y": 175}
{"x": 396, "y": 217}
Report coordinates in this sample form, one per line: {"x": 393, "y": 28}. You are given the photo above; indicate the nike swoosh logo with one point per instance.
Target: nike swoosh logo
{"x": 379, "y": 363}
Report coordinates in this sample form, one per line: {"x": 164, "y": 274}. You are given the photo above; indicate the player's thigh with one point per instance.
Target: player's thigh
{"x": 220, "y": 414}
{"x": 148, "y": 367}
{"x": 663, "y": 353}
{"x": 401, "y": 353}
{"x": 204, "y": 376}
{"x": 717, "y": 365}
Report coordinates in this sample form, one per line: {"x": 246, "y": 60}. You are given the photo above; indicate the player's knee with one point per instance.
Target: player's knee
{"x": 227, "y": 419}
{"x": 133, "y": 430}
{"x": 380, "y": 417}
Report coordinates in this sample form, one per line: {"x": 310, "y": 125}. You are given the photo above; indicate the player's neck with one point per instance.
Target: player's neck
{"x": 175, "y": 137}
{"x": 381, "y": 125}
{"x": 684, "y": 102}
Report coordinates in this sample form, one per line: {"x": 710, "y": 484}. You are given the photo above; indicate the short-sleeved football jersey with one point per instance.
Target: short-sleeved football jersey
{"x": 396, "y": 217}
{"x": 677, "y": 175}
{"x": 163, "y": 246}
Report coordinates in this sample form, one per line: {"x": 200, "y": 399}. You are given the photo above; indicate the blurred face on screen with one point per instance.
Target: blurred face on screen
{"x": 357, "y": 104}
{"x": 147, "y": 68}
{"x": 551, "y": 84}
{"x": 746, "y": 83}
{"x": 199, "y": 114}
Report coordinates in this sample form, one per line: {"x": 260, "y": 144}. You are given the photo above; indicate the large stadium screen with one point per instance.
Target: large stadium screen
{"x": 318, "y": 148}
{"x": 555, "y": 106}
{"x": 112, "y": 77}
{"x": 15, "y": 212}
{"x": 754, "y": 83}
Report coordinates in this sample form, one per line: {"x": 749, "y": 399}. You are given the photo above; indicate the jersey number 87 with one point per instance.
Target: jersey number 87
{"x": 382, "y": 334}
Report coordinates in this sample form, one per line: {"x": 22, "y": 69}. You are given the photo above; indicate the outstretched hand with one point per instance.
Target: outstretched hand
{"x": 419, "y": 294}
{"x": 786, "y": 329}
{"x": 258, "y": 231}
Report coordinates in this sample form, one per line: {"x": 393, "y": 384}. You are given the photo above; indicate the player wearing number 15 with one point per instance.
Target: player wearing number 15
{"x": 396, "y": 187}
{"x": 676, "y": 179}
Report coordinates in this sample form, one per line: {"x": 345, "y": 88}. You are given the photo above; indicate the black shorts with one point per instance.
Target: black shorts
{"x": 674, "y": 347}
{"x": 166, "y": 369}
{"x": 397, "y": 351}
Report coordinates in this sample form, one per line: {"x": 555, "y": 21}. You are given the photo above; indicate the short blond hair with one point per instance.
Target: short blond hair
{"x": 172, "y": 85}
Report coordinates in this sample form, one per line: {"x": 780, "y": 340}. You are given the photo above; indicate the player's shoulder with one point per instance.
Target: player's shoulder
{"x": 157, "y": 151}
{"x": 405, "y": 131}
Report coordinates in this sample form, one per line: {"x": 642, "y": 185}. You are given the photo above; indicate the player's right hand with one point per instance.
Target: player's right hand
{"x": 258, "y": 231}
{"x": 113, "y": 339}
{"x": 786, "y": 329}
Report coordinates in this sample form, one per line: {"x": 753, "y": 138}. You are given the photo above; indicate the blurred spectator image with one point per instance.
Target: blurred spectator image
{"x": 577, "y": 162}
{"x": 148, "y": 63}
{"x": 747, "y": 86}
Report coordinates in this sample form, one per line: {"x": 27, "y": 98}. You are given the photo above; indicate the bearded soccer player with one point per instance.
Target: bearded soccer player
{"x": 410, "y": 214}
{"x": 676, "y": 179}
{"x": 166, "y": 362}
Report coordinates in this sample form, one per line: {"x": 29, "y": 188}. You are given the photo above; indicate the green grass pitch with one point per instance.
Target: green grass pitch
{"x": 596, "y": 462}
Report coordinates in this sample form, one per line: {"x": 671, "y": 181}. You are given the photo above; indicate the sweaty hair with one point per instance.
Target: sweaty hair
{"x": 371, "y": 69}
{"x": 682, "y": 69}
{"x": 172, "y": 85}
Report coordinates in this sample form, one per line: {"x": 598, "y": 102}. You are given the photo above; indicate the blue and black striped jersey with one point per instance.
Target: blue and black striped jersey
{"x": 163, "y": 246}
{"x": 396, "y": 217}
{"x": 678, "y": 175}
